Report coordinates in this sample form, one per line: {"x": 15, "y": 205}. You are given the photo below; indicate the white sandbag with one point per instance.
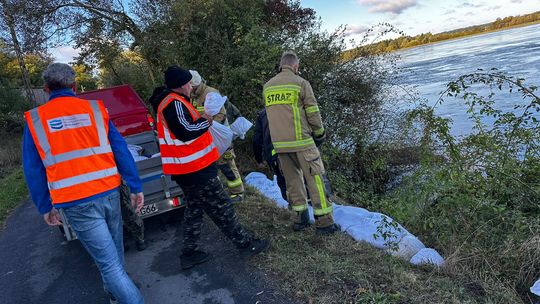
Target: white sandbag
{"x": 269, "y": 188}
{"x": 213, "y": 103}
{"x": 427, "y": 256}
{"x": 222, "y": 135}
{"x": 240, "y": 127}
{"x": 407, "y": 247}
{"x": 156, "y": 155}
{"x": 536, "y": 288}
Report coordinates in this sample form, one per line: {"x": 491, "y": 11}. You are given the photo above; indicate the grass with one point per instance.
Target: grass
{"x": 12, "y": 184}
{"x": 12, "y": 192}
{"x": 337, "y": 269}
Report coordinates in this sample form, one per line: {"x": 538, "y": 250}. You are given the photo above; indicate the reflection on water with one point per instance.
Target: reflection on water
{"x": 430, "y": 67}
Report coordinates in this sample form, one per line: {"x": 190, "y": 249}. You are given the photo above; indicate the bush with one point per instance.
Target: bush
{"x": 476, "y": 199}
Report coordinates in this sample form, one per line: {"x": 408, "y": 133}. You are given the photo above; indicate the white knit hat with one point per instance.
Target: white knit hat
{"x": 197, "y": 79}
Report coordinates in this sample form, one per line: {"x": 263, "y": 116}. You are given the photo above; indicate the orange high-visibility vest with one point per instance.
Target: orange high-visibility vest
{"x": 70, "y": 135}
{"x": 179, "y": 157}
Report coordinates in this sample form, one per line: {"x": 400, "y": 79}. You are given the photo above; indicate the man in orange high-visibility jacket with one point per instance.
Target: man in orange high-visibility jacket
{"x": 73, "y": 158}
{"x": 188, "y": 153}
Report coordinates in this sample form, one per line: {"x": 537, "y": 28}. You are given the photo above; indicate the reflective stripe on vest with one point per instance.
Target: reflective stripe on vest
{"x": 179, "y": 157}
{"x": 50, "y": 159}
{"x": 190, "y": 158}
{"x": 83, "y": 178}
{"x": 293, "y": 144}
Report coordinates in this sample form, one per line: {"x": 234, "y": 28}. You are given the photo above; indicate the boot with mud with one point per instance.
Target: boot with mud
{"x": 302, "y": 221}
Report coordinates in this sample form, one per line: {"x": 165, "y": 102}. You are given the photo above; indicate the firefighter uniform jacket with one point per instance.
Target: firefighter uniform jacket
{"x": 293, "y": 113}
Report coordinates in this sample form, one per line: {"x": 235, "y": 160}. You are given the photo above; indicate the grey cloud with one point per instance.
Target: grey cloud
{"x": 355, "y": 29}
{"x": 469, "y": 5}
{"x": 448, "y": 12}
{"x": 388, "y": 6}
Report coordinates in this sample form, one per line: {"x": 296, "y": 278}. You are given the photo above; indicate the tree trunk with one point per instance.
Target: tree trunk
{"x": 20, "y": 56}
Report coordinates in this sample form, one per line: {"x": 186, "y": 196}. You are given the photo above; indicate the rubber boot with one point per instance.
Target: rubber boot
{"x": 302, "y": 221}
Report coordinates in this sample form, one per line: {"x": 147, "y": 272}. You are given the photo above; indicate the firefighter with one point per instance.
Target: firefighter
{"x": 225, "y": 163}
{"x": 189, "y": 154}
{"x": 295, "y": 127}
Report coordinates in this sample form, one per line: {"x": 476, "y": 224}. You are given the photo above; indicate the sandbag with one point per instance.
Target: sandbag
{"x": 536, "y": 288}
{"x": 222, "y": 135}
{"x": 213, "y": 103}
{"x": 427, "y": 256}
{"x": 240, "y": 127}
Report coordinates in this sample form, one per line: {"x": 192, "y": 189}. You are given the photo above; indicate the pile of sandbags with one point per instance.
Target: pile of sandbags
{"x": 362, "y": 225}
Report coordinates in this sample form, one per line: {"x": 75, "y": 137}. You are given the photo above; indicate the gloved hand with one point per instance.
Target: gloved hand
{"x": 320, "y": 139}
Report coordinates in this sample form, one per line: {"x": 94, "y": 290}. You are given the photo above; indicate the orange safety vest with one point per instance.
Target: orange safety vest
{"x": 70, "y": 135}
{"x": 179, "y": 157}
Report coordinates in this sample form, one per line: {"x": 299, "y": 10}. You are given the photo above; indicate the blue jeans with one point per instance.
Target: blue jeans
{"x": 98, "y": 225}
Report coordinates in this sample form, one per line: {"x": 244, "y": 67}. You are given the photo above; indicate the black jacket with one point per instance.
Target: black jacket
{"x": 262, "y": 142}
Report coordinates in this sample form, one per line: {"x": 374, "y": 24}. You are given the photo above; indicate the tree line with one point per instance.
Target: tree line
{"x": 390, "y": 45}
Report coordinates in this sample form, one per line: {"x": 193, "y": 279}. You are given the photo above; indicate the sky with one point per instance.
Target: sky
{"x": 415, "y": 16}
{"x": 410, "y": 16}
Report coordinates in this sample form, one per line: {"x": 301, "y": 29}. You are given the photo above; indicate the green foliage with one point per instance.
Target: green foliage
{"x": 476, "y": 199}
{"x": 12, "y": 192}
{"x": 85, "y": 80}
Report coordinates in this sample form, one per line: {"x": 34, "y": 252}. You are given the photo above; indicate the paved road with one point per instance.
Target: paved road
{"x": 38, "y": 266}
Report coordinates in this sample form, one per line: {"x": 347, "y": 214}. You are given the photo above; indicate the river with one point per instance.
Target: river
{"x": 429, "y": 68}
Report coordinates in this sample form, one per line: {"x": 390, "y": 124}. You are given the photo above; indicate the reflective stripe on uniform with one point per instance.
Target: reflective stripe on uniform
{"x": 299, "y": 208}
{"x": 83, "y": 178}
{"x": 323, "y": 211}
{"x": 235, "y": 183}
{"x": 293, "y": 144}
{"x": 319, "y": 132}
{"x": 281, "y": 95}
{"x": 320, "y": 189}
{"x": 50, "y": 159}
{"x": 312, "y": 109}
{"x": 274, "y": 152}
{"x": 190, "y": 158}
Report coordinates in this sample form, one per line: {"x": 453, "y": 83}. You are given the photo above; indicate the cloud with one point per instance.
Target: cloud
{"x": 517, "y": 1}
{"x": 64, "y": 54}
{"x": 388, "y": 6}
{"x": 471, "y": 5}
{"x": 355, "y": 29}
{"x": 493, "y": 8}
{"x": 449, "y": 12}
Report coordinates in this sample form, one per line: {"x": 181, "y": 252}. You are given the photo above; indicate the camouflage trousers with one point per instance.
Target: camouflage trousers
{"x": 211, "y": 198}
{"x": 131, "y": 220}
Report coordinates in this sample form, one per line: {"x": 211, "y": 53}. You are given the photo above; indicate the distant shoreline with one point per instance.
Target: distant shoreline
{"x": 470, "y": 35}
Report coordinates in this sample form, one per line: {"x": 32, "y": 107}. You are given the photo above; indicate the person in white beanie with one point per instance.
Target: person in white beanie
{"x": 226, "y": 163}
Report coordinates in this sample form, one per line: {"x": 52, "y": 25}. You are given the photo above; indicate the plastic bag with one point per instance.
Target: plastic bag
{"x": 213, "y": 103}
{"x": 240, "y": 127}
{"x": 536, "y": 288}
{"x": 222, "y": 135}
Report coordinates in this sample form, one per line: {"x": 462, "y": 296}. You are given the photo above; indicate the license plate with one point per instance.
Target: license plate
{"x": 148, "y": 209}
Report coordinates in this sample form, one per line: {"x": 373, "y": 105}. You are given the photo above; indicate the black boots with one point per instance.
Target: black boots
{"x": 302, "y": 221}
{"x": 329, "y": 229}
{"x": 254, "y": 247}
{"x": 193, "y": 258}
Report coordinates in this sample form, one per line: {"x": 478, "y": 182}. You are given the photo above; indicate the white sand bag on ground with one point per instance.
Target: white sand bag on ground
{"x": 536, "y": 288}
{"x": 427, "y": 256}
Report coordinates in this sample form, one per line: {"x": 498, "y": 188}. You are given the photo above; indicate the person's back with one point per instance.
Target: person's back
{"x": 295, "y": 124}
{"x": 73, "y": 158}
{"x": 290, "y": 106}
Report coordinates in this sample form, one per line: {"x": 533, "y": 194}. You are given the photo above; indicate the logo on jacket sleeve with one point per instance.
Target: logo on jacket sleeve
{"x": 69, "y": 122}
